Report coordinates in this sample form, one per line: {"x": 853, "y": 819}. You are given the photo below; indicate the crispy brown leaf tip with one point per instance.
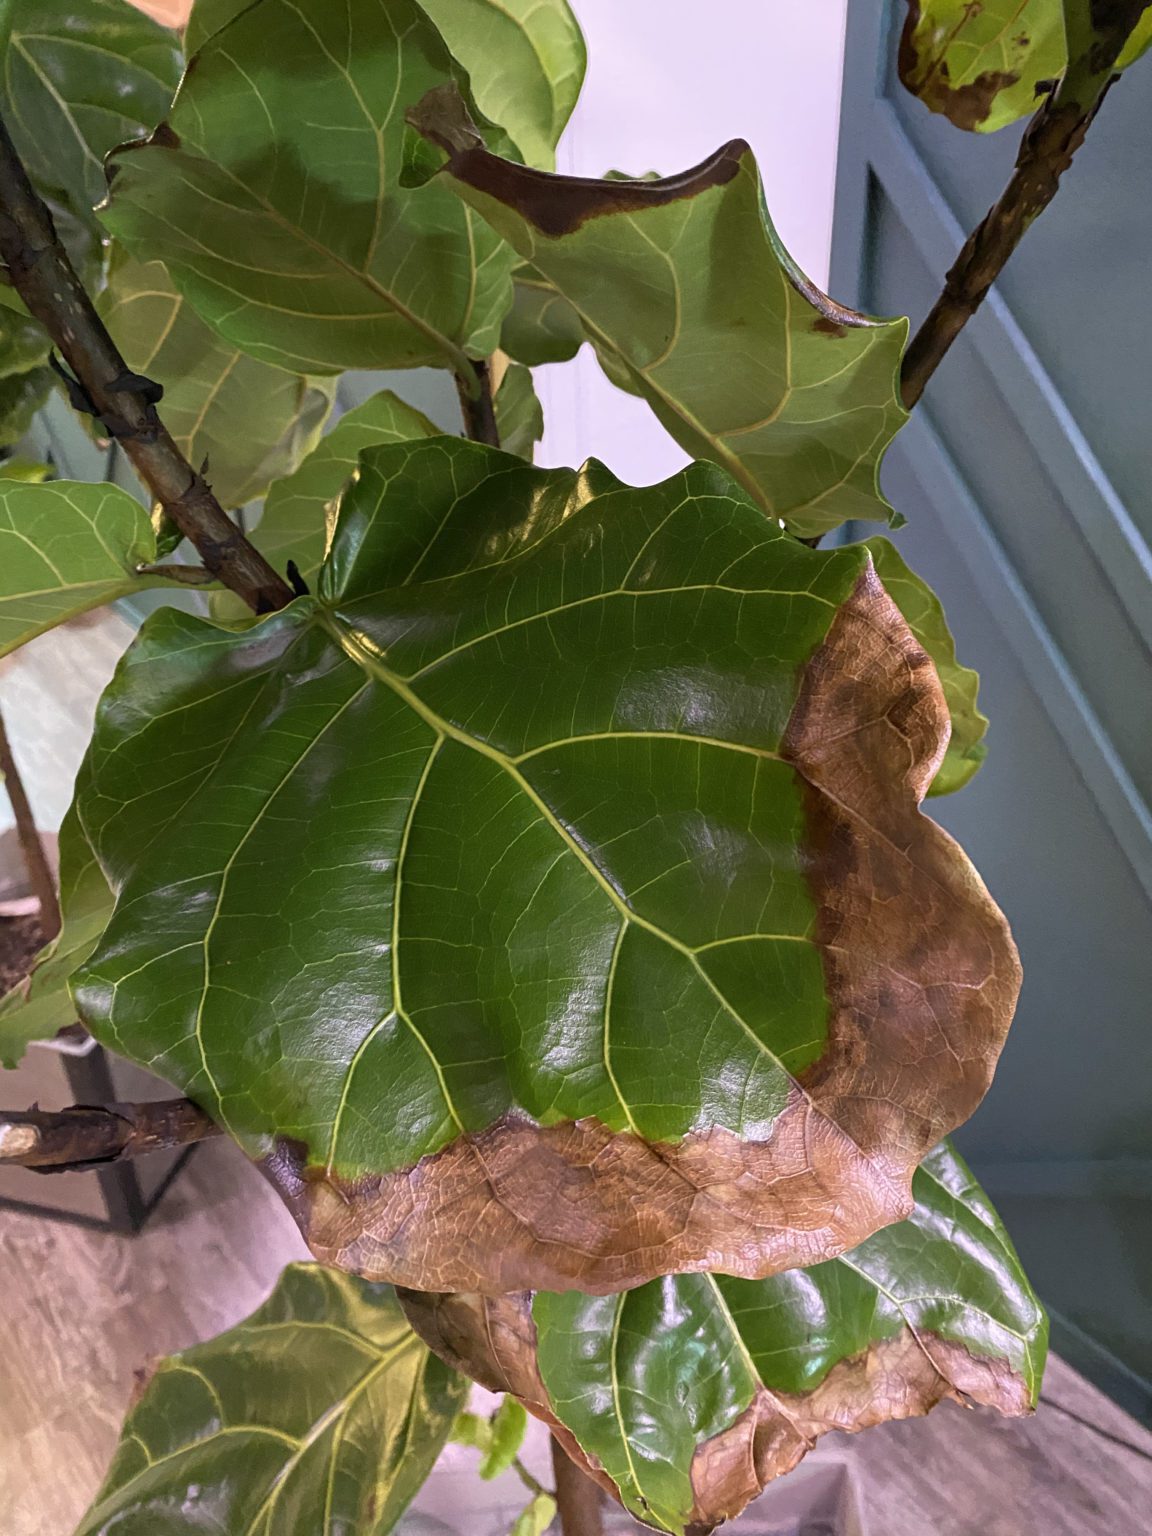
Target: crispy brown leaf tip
{"x": 556, "y": 205}
{"x": 921, "y": 977}
{"x": 493, "y": 1340}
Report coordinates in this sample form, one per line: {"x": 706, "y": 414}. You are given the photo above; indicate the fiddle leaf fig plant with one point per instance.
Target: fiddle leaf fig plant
{"x": 528, "y": 870}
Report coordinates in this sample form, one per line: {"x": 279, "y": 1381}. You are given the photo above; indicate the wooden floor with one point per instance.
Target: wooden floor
{"x": 81, "y": 1311}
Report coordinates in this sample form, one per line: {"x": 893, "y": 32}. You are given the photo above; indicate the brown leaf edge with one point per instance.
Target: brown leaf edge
{"x": 921, "y": 976}
{"x": 493, "y": 1340}
{"x": 557, "y": 205}
{"x": 927, "y": 77}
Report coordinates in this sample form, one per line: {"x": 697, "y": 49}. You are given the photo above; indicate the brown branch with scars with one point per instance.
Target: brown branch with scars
{"x": 1097, "y": 32}
{"x": 61, "y": 1141}
{"x": 43, "y": 276}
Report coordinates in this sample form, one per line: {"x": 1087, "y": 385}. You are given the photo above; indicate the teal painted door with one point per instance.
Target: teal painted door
{"x": 1026, "y": 477}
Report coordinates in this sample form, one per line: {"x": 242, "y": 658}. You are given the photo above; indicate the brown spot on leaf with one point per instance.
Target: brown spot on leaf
{"x": 824, "y": 325}
{"x": 921, "y": 977}
{"x": 555, "y": 205}
{"x": 493, "y": 1340}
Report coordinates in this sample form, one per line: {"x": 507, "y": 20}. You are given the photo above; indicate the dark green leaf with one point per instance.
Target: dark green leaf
{"x": 525, "y": 61}
{"x": 694, "y": 1391}
{"x": 251, "y": 422}
{"x": 298, "y": 509}
{"x": 691, "y": 301}
{"x": 21, "y": 396}
{"x": 541, "y": 327}
{"x": 321, "y": 1415}
{"x": 274, "y": 195}
{"x": 986, "y": 65}
{"x": 544, "y": 844}
{"x": 519, "y": 417}
{"x": 65, "y": 547}
{"x": 925, "y": 615}
{"x": 41, "y": 1005}
{"x": 79, "y": 77}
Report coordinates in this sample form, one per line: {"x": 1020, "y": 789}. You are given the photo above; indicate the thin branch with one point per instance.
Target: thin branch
{"x": 61, "y": 1141}
{"x": 40, "y": 875}
{"x": 1053, "y": 137}
{"x": 477, "y": 404}
{"x": 46, "y": 281}
{"x": 578, "y": 1499}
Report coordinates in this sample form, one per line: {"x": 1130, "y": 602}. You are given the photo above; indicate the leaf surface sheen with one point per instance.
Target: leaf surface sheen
{"x": 687, "y": 1395}
{"x": 321, "y": 1413}
{"x": 276, "y": 196}
{"x": 78, "y": 78}
{"x": 547, "y": 900}
{"x": 683, "y": 287}
{"x": 985, "y": 66}
{"x": 252, "y": 423}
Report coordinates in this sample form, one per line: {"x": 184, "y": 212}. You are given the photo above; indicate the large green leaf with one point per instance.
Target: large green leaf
{"x": 691, "y": 301}
{"x": 66, "y": 547}
{"x": 79, "y": 77}
{"x": 21, "y": 396}
{"x": 925, "y": 616}
{"x": 297, "y": 512}
{"x": 525, "y": 61}
{"x": 41, "y": 1004}
{"x": 986, "y": 65}
{"x": 274, "y": 195}
{"x": 566, "y": 844}
{"x": 690, "y": 1393}
{"x": 251, "y": 422}
{"x": 321, "y": 1415}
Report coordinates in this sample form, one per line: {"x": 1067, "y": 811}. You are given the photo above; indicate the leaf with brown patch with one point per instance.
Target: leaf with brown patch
{"x": 686, "y": 1396}
{"x": 548, "y": 899}
{"x": 985, "y": 65}
{"x": 691, "y": 301}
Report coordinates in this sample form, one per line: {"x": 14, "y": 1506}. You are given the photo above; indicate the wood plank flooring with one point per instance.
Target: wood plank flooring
{"x": 81, "y": 1312}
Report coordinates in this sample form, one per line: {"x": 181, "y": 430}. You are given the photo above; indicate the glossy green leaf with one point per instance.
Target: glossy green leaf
{"x": 691, "y": 302}
{"x": 65, "y": 547}
{"x": 78, "y": 78}
{"x": 298, "y": 509}
{"x": 21, "y": 396}
{"x": 321, "y": 1414}
{"x": 525, "y": 61}
{"x": 23, "y": 343}
{"x": 937, "y": 1306}
{"x": 689, "y": 1394}
{"x": 251, "y": 422}
{"x": 541, "y": 327}
{"x": 987, "y": 65}
{"x": 41, "y": 1005}
{"x": 925, "y": 615}
{"x": 274, "y": 195}
{"x": 546, "y": 837}
{"x": 519, "y": 416}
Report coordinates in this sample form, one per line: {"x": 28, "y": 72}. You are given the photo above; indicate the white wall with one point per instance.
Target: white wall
{"x": 668, "y": 82}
